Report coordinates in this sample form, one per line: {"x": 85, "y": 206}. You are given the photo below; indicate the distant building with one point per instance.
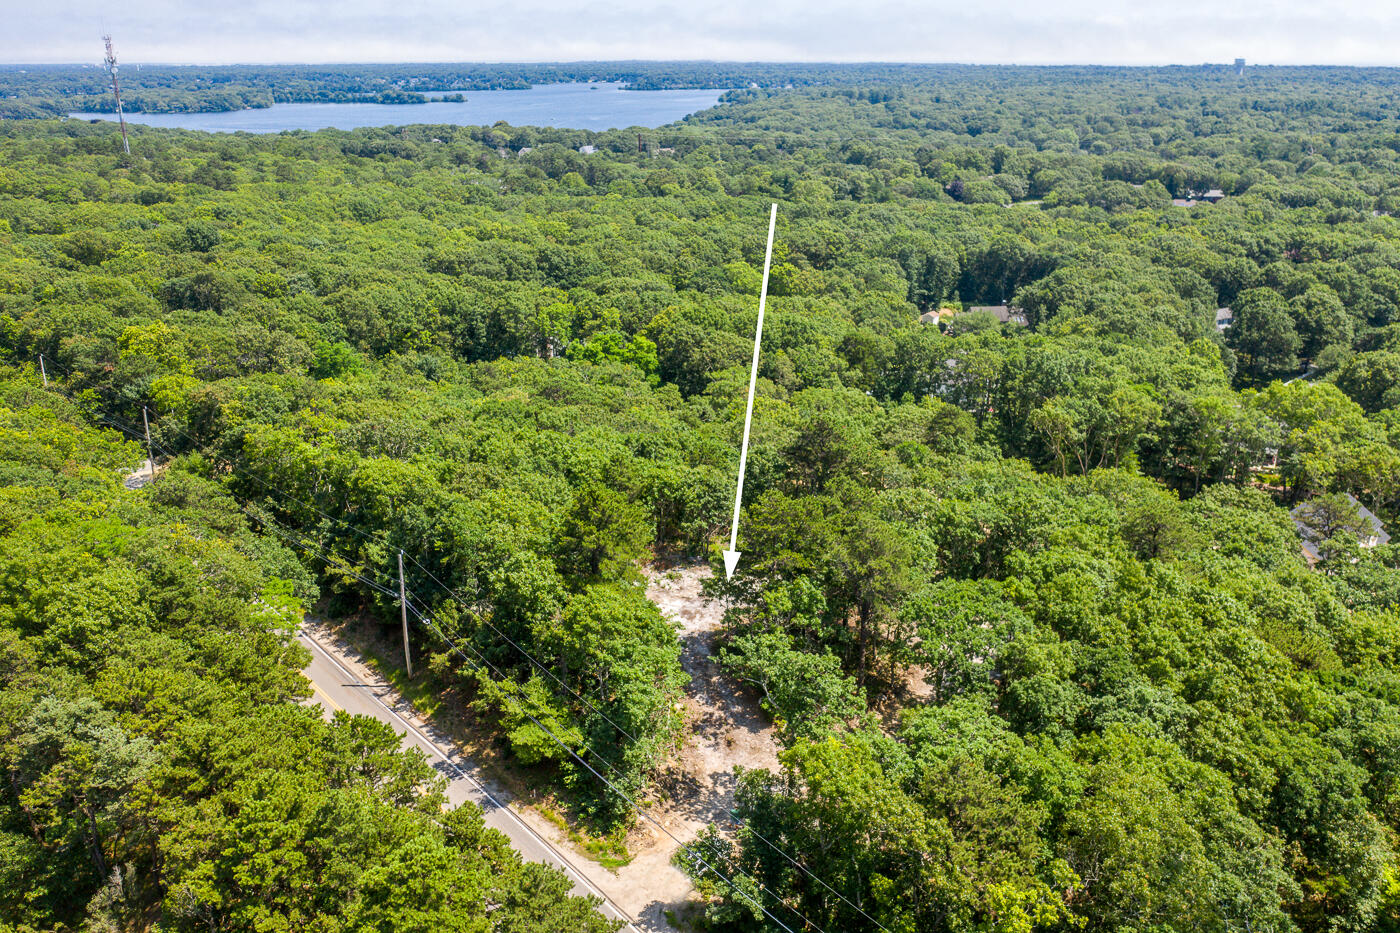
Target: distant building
{"x": 938, "y": 315}
{"x": 526, "y": 150}
{"x": 1003, "y": 313}
{"x": 1377, "y": 534}
{"x": 587, "y": 150}
{"x": 1239, "y": 67}
{"x": 1199, "y": 197}
{"x": 1224, "y": 317}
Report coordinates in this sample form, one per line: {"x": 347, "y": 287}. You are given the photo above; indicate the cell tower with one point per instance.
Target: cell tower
{"x": 116, "y": 91}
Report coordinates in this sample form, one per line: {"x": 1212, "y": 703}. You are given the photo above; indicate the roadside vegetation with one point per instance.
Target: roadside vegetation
{"x": 157, "y": 764}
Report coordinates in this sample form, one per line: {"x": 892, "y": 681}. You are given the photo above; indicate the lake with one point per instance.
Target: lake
{"x": 577, "y": 106}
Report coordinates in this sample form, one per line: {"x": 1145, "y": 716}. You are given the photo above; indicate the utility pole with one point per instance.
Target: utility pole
{"x": 403, "y": 610}
{"x": 43, "y": 372}
{"x": 116, "y": 91}
{"x": 150, "y": 457}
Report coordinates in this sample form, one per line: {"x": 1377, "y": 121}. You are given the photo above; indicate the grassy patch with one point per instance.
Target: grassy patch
{"x": 418, "y": 691}
{"x": 610, "y": 851}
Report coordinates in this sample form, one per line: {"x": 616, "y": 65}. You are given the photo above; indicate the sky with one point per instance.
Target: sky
{"x": 1351, "y": 32}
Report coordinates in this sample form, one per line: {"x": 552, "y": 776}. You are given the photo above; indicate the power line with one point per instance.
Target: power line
{"x": 334, "y": 562}
{"x": 433, "y": 577}
{"x": 732, "y": 815}
{"x": 337, "y": 563}
{"x": 344, "y": 566}
{"x": 505, "y": 679}
{"x": 340, "y": 565}
{"x": 427, "y": 620}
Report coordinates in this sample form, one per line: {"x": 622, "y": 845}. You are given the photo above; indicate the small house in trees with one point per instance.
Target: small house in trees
{"x": 1325, "y": 516}
{"x": 1003, "y": 313}
{"x": 587, "y": 150}
{"x": 1199, "y": 197}
{"x": 1224, "y": 317}
{"x": 938, "y": 316}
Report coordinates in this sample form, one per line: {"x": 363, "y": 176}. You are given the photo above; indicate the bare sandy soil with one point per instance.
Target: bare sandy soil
{"x": 727, "y": 727}
{"x": 724, "y": 728}
{"x": 141, "y": 476}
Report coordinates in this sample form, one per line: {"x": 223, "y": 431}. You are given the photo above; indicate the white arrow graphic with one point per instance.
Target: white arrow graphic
{"x": 731, "y": 556}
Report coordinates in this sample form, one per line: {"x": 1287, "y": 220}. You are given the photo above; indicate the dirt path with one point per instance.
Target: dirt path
{"x": 725, "y": 728}
{"x": 141, "y": 476}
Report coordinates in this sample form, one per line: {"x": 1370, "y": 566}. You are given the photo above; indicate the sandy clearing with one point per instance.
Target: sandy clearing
{"x": 725, "y": 727}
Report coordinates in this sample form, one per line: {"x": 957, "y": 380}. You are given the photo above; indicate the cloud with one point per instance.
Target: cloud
{"x": 1049, "y": 32}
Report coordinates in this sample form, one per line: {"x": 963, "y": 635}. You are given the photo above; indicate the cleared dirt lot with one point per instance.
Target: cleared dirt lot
{"x": 724, "y": 728}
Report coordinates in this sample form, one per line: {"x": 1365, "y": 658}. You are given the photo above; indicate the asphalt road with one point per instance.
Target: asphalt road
{"x": 335, "y": 687}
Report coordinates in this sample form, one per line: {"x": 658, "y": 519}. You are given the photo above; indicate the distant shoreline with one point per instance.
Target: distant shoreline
{"x": 576, "y": 105}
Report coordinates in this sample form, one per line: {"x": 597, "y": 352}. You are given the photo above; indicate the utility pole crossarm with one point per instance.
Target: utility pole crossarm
{"x": 731, "y": 556}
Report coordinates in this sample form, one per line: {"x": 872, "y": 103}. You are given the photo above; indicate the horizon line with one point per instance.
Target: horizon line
{"x": 702, "y": 61}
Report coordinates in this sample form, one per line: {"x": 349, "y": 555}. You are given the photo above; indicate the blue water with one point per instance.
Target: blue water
{"x": 577, "y": 106}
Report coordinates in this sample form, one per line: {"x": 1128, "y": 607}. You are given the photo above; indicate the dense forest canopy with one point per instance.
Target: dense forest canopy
{"x": 156, "y": 763}
{"x": 1026, "y": 602}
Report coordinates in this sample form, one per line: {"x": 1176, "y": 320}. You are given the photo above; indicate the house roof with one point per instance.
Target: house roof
{"x": 1310, "y": 544}
{"x": 937, "y": 314}
{"x": 1003, "y": 313}
{"x": 1382, "y": 536}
